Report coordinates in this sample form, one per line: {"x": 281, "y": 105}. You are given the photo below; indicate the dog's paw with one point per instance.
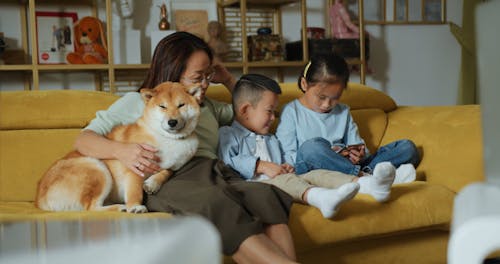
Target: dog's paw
{"x": 122, "y": 208}
{"x": 150, "y": 186}
{"x": 137, "y": 209}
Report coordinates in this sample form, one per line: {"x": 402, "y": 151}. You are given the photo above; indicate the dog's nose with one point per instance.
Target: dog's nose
{"x": 84, "y": 34}
{"x": 172, "y": 122}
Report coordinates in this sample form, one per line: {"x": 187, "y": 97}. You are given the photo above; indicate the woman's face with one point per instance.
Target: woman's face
{"x": 321, "y": 97}
{"x": 198, "y": 71}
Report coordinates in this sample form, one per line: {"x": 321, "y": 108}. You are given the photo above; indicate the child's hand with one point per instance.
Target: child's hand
{"x": 356, "y": 153}
{"x": 268, "y": 168}
{"x": 341, "y": 150}
{"x": 287, "y": 168}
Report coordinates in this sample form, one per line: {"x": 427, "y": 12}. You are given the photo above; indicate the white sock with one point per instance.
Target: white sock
{"x": 329, "y": 200}
{"x": 405, "y": 173}
{"x": 379, "y": 184}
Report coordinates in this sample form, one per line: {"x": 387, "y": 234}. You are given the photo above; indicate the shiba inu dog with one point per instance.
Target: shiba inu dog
{"x": 77, "y": 182}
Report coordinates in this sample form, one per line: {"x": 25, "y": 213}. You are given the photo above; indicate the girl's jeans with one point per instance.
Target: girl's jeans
{"x": 316, "y": 153}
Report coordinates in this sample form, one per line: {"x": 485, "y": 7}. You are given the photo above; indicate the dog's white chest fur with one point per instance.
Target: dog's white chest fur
{"x": 174, "y": 153}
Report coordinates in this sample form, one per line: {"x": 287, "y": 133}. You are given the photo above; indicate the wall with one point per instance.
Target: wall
{"x": 414, "y": 64}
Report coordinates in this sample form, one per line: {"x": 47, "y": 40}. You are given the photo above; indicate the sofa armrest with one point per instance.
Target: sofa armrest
{"x": 449, "y": 139}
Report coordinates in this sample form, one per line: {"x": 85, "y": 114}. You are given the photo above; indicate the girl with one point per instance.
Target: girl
{"x": 251, "y": 217}
{"x": 318, "y": 132}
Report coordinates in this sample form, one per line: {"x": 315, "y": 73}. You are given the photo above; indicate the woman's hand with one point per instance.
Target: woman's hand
{"x": 140, "y": 158}
{"x": 222, "y": 75}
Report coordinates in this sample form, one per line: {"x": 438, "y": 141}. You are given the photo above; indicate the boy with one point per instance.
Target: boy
{"x": 248, "y": 148}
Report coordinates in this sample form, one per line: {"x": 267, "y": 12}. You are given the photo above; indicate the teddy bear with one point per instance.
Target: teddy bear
{"x": 90, "y": 43}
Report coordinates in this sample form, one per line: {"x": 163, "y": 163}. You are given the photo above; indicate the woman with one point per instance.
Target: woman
{"x": 251, "y": 217}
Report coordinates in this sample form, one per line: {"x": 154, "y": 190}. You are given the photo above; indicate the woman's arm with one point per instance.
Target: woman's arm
{"x": 140, "y": 158}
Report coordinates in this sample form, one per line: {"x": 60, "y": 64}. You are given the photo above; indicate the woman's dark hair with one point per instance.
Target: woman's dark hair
{"x": 328, "y": 69}
{"x": 170, "y": 57}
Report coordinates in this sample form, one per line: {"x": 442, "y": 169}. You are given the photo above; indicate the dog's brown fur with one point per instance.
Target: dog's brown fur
{"x": 77, "y": 182}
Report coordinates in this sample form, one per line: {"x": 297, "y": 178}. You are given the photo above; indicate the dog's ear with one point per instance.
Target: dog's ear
{"x": 195, "y": 91}
{"x": 147, "y": 94}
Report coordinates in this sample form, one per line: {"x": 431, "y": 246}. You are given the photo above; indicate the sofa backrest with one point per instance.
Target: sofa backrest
{"x": 357, "y": 96}
{"x": 39, "y": 127}
{"x": 369, "y": 107}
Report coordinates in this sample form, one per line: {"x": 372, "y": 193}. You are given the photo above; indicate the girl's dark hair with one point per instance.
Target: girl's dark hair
{"x": 329, "y": 69}
{"x": 170, "y": 57}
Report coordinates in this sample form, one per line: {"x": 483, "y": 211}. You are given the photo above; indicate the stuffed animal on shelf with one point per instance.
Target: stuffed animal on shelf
{"x": 90, "y": 43}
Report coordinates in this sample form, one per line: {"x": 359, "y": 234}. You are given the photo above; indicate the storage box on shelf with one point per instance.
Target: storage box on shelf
{"x": 347, "y": 48}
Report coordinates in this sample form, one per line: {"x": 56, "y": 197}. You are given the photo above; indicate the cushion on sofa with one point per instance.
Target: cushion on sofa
{"x": 412, "y": 207}
{"x": 447, "y": 137}
{"x": 23, "y": 211}
{"x": 26, "y": 155}
{"x": 371, "y": 125}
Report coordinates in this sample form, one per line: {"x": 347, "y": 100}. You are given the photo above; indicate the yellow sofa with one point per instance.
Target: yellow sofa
{"x": 38, "y": 127}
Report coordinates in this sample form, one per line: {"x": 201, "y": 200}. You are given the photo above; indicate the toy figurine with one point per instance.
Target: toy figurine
{"x": 90, "y": 43}
{"x": 342, "y": 27}
{"x": 215, "y": 40}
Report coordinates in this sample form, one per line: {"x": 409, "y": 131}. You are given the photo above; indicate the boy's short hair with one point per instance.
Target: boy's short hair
{"x": 250, "y": 87}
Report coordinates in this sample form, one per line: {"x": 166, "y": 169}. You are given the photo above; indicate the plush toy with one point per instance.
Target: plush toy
{"x": 90, "y": 42}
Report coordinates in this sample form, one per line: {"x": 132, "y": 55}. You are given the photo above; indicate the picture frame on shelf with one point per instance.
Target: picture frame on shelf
{"x": 54, "y": 36}
{"x": 433, "y": 10}
{"x": 192, "y": 21}
{"x": 192, "y": 16}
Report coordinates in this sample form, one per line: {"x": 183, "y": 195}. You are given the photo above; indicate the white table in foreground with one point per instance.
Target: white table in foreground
{"x": 127, "y": 240}
{"x": 475, "y": 230}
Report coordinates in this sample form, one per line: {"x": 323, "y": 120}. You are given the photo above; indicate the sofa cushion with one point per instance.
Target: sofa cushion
{"x": 412, "y": 207}
{"x": 371, "y": 125}
{"x": 448, "y": 138}
{"x": 51, "y": 109}
{"x": 22, "y": 211}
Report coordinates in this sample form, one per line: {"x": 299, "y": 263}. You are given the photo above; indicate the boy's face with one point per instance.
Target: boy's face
{"x": 260, "y": 118}
{"x": 321, "y": 97}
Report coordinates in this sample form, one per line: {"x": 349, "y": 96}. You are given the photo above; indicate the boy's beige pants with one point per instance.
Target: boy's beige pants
{"x": 295, "y": 185}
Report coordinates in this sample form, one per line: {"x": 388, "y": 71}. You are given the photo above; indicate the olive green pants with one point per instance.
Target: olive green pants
{"x": 237, "y": 208}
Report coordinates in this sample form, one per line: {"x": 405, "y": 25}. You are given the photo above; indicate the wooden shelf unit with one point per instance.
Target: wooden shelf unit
{"x": 245, "y": 64}
{"x": 33, "y": 69}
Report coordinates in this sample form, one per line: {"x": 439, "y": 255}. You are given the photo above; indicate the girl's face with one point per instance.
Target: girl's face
{"x": 321, "y": 97}
{"x": 198, "y": 71}
{"x": 260, "y": 118}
